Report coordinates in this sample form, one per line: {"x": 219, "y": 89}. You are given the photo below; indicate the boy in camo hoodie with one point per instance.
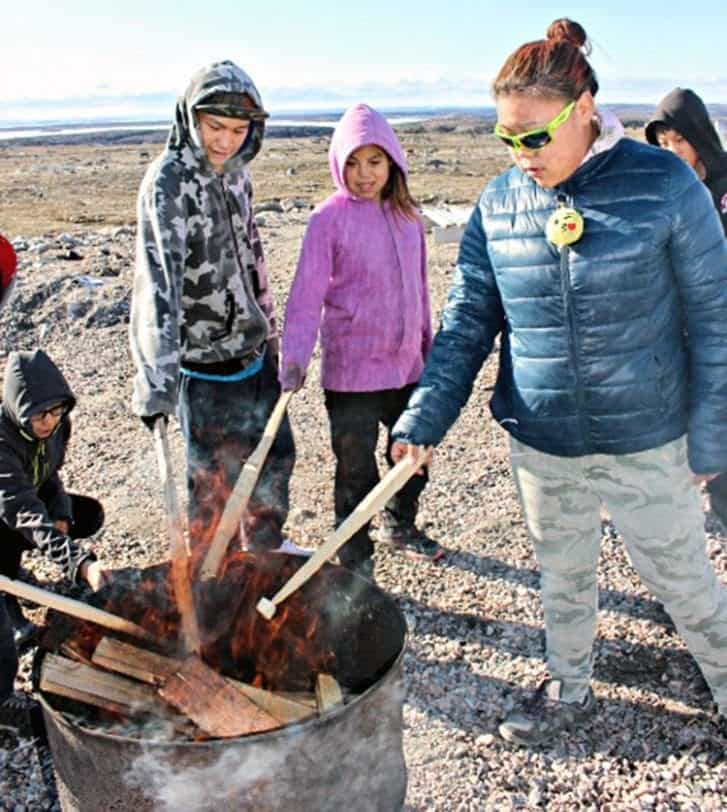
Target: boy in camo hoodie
{"x": 203, "y": 331}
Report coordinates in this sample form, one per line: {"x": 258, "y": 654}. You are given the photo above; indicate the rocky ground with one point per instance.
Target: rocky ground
{"x": 476, "y": 635}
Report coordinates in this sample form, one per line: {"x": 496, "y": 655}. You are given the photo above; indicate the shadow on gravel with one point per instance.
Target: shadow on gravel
{"x": 632, "y": 731}
{"x": 671, "y": 673}
{"x": 611, "y": 599}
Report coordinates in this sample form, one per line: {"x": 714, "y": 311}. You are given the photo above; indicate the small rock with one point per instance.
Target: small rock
{"x": 268, "y": 205}
{"x": 70, "y": 255}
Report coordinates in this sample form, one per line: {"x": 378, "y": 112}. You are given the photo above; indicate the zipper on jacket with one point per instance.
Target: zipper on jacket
{"x": 40, "y": 466}
{"x": 238, "y": 255}
{"x": 573, "y": 338}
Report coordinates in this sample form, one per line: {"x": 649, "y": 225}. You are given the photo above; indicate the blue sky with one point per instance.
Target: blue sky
{"x": 327, "y": 54}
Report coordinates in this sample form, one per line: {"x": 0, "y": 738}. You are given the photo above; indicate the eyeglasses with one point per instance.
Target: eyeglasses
{"x": 539, "y": 137}
{"x": 54, "y": 411}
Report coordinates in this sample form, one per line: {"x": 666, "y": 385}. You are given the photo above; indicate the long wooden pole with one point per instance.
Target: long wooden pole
{"x": 69, "y": 606}
{"x": 397, "y": 477}
{"x": 178, "y": 548}
{"x": 241, "y": 493}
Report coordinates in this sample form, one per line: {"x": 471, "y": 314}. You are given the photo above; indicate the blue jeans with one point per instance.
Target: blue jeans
{"x": 222, "y": 423}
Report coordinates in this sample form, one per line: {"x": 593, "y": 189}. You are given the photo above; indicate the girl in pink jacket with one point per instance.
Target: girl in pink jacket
{"x": 361, "y": 281}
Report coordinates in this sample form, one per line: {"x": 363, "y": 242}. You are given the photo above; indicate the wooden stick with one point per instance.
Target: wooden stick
{"x": 155, "y": 669}
{"x": 397, "y": 477}
{"x": 241, "y": 493}
{"x": 211, "y": 703}
{"x": 69, "y": 606}
{"x": 146, "y": 666}
{"x": 64, "y": 677}
{"x": 328, "y": 693}
{"x": 179, "y": 549}
{"x": 282, "y": 708}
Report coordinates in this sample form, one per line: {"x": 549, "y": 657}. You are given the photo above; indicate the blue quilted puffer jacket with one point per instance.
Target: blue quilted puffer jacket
{"x": 615, "y": 344}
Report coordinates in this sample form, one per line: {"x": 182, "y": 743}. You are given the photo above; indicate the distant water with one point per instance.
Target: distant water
{"x": 45, "y": 130}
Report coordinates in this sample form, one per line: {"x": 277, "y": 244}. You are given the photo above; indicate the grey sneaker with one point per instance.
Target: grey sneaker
{"x": 544, "y": 714}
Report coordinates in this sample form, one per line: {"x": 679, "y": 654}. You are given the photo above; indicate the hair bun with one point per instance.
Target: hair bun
{"x": 569, "y": 31}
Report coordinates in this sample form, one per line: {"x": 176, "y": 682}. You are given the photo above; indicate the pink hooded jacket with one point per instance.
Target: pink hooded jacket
{"x": 361, "y": 279}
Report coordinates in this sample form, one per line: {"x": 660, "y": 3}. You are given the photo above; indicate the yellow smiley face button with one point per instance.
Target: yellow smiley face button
{"x": 564, "y": 226}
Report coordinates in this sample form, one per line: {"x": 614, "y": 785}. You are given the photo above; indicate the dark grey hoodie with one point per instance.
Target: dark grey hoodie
{"x": 682, "y": 110}
{"x": 27, "y": 464}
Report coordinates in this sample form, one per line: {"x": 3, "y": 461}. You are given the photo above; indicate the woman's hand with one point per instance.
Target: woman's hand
{"x": 401, "y": 450}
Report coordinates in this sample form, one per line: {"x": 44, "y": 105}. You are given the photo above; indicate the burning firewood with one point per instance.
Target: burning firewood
{"x": 74, "y": 680}
{"x": 156, "y": 669}
{"x": 218, "y": 708}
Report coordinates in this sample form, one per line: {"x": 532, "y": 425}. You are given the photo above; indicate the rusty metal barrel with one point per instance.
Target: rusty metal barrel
{"x": 350, "y": 758}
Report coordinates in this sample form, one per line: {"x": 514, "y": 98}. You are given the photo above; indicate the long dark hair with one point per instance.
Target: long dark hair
{"x": 552, "y": 67}
{"x": 396, "y": 191}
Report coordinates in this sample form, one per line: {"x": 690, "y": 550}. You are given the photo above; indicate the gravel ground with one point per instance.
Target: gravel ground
{"x": 476, "y": 635}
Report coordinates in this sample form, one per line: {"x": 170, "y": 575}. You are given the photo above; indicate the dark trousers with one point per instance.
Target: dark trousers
{"x": 222, "y": 423}
{"x": 354, "y": 419}
{"x": 88, "y": 518}
{"x": 8, "y": 655}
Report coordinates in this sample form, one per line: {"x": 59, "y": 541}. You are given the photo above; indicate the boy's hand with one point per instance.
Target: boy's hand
{"x": 62, "y": 525}
{"x": 94, "y": 574}
{"x": 292, "y": 378}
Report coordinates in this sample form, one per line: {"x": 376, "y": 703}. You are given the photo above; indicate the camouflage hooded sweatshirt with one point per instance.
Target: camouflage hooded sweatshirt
{"x": 33, "y": 383}
{"x": 201, "y": 291}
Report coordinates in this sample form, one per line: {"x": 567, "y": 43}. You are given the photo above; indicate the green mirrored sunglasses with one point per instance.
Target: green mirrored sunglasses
{"x": 539, "y": 137}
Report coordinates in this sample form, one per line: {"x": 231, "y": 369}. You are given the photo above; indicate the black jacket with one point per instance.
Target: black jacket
{"x": 32, "y": 496}
{"x": 683, "y": 111}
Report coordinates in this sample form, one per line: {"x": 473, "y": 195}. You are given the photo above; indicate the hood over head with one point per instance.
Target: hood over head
{"x": 33, "y": 383}
{"x": 8, "y": 266}
{"x": 682, "y": 110}
{"x": 361, "y": 126}
{"x": 225, "y": 89}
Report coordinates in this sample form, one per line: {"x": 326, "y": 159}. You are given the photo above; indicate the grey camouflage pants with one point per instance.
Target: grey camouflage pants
{"x": 657, "y": 509}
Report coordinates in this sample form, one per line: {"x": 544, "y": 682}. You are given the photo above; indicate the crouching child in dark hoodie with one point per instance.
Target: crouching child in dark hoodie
{"x": 35, "y": 509}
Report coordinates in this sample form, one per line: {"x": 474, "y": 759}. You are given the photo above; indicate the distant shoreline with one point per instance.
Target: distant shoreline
{"x": 120, "y": 133}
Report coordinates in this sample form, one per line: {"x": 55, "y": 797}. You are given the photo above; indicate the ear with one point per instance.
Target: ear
{"x": 585, "y": 107}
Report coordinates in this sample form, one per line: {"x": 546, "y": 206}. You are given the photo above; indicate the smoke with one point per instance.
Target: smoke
{"x": 349, "y": 760}
{"x": 236, "y": 774}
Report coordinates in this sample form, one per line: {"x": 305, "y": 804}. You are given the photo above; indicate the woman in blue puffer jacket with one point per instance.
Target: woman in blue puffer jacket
{"x": 602, "y": 265}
